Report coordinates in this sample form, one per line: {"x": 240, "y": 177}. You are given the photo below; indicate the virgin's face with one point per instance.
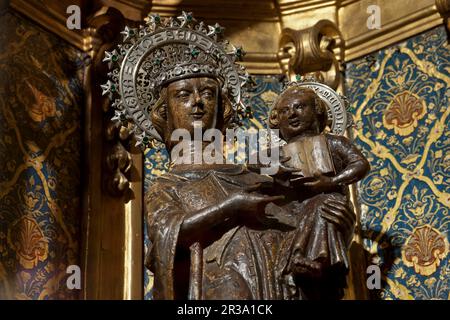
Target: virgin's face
{"x": 192, "y": 100}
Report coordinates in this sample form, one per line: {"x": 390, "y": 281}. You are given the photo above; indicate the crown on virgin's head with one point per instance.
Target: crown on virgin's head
{"x": 165, "y": 50}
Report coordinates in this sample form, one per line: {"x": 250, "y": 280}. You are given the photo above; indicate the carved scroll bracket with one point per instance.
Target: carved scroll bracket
{"x": 443, "y": 7}
{"x": 316, "y": 51}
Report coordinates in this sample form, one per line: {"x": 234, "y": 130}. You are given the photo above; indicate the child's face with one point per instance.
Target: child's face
{"x": 296, "y": 114}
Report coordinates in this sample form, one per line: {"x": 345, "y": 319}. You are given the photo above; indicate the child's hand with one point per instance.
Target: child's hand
{"x": 284, "y": 170}
{"x": 321, "y": 183}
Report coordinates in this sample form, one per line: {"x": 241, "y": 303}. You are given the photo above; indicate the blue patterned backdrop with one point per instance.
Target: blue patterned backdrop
{"x": 40, "y": 145}
{"x": 400, "y": 102}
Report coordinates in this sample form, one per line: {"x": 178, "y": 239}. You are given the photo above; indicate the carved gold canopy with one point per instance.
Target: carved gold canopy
{"x": 256, "y": 24}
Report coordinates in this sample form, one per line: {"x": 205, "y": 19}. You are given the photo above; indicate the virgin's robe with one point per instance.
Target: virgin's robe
{"x": 241, "y": 258}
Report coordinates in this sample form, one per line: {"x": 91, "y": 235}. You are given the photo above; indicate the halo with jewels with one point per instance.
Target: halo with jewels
{"x": 337, "y": 104}
{"x": 162, "y": 51}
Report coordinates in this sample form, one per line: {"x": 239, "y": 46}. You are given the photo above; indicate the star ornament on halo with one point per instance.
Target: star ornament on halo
{"x": 109, "y": 88}
{"x": 186, "y": 18}
{"x": 215, "y": 30}
{"x": 153, "y": 18}
{"x": 128, "y": 33}
{"x": 112, "y": 56}
{"x": 119, "y": 117}
{"x": 239, "y": 53}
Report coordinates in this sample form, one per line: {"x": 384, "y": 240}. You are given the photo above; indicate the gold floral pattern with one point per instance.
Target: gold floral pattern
{"x": 269, "y": 97}
{"x": 43, "y": 107}
{"x": 403, "y": 112}
{"x": 28, "y": 241}
{"x": 424, "y": 250}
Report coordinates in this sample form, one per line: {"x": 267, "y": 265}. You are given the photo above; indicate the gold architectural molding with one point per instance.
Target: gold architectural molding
{"x": 262, "y": 63}
{"x": 343, "y": 3}
{"x": 135, "y": 10}
{"x": 289, "y": 7}
{"x": 52, "y": 16}
{"x": 220, "y": 10}
{"x": 255, "y": 24}
{"x": 133, "y": 278}
{"x": 391, "y": 32}
{"x": 55, "y": 21}
{"x": 399, "y": 20}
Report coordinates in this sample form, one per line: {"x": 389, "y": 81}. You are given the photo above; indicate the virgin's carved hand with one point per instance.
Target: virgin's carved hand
{"x": 251, "y": 203}
{"x": 247, "y": 204}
